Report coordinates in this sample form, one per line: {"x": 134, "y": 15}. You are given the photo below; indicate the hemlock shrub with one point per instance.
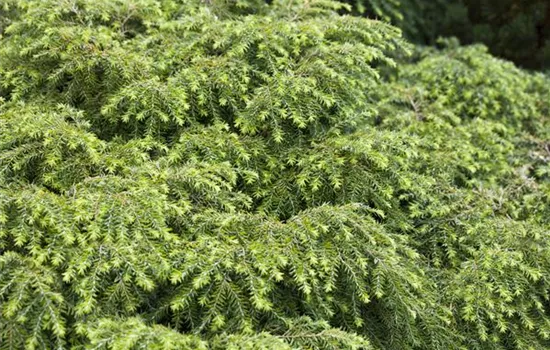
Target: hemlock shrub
{"x": 247, "y": 175}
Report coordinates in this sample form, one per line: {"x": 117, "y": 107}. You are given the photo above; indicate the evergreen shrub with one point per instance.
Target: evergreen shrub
{"x": 185, "y": 174}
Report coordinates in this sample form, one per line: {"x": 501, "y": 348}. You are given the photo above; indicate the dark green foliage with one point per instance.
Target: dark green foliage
{"x": 242, "y": 175}
{"x": 422, "y": 21}
{"x": 518, "y": 30}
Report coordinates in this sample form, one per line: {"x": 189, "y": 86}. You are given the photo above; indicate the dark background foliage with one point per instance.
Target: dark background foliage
{"x": 518, "y": 30}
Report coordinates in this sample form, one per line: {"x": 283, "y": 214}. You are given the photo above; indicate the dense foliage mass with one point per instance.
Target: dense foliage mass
{"x": 185, "y": 174}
